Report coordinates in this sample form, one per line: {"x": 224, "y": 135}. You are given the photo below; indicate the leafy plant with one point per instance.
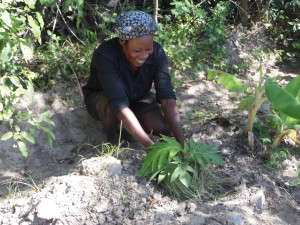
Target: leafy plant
{"x": 171, "y": 162}
{"x": 19, "y": 18}
{"x": 276, "y": 157}
{"x": 286, "y": 101}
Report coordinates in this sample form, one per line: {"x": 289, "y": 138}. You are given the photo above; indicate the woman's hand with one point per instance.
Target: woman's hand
{"x": 133, "y": 126}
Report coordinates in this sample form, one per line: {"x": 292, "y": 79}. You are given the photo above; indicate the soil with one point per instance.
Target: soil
{"x": 71, "y": 184}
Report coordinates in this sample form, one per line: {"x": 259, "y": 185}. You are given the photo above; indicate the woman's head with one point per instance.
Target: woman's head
{"x": 134, "y": 24}
{"x": 136, "y": 29}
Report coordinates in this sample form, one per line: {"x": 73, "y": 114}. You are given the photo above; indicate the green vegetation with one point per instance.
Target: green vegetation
{"x": 49, "y": 42}
{"x": 179, "y": 166}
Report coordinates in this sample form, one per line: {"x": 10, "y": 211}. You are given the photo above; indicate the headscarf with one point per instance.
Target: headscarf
{"x": 133, "y": 24}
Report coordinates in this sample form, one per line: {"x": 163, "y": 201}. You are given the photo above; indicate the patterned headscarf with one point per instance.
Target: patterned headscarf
{"x": 133, "y": 24}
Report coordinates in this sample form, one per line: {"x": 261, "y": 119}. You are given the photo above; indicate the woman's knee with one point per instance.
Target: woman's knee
{"x": 104, "y": 110}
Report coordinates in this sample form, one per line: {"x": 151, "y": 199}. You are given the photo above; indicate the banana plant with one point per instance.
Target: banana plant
{"x": 286, "y": 108}
{"x": 285, "y": 102}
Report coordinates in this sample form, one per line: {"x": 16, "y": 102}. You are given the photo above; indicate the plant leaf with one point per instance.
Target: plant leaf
{"x": 230, "y": 82}
{"x": 176, "y": 173}
{"x": 27, "y": 50}
{"x": 212, "y": 74}
{"x": 23, "y": 148}
{"x": 246, "y": 102}
{"x": 6, "y": 18}
{"x": 35, "y": 28}
{"x": 6, "y": 136}
{"x": 282, "y": 100}
{"x": 185, "y": 178}
{"x": 28, "y": 137}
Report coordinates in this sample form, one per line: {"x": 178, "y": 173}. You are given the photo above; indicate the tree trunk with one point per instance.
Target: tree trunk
{"x": 244, "y": 13}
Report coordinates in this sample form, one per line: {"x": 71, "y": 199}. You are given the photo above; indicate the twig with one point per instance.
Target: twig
{"x": 68, "y": 25}
{"x": 238, "y": 6}
{"x": 77, "y": 81}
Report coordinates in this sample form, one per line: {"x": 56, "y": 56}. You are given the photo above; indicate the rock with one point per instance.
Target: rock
{"x": 48, "y": 210}
{"x": 225, "y": 151}
{"x": 101, "y": 165}
{"x": 235, "y": 219}
{"x": 191, "y": 207}
{"x": 197, "y": 220}
{"x": 258, "y": 199}
{"x": 216, "y": 143}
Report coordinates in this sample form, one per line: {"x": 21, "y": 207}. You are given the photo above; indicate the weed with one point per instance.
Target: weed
{"x": 276, "y": 157}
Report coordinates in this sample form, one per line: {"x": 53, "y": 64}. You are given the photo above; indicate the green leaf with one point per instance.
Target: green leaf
{"x": 40, "y": 19}
{"x": 15, "y": 80}
{"x": 176, "y": 173}
{"x": 28, "y": 137}
{"x": 6, "y": 53}
{"x": 282, "y": 99}
{"x": 230, "y": 82}
{"x": 49, "y": 121}
{"x": 6, "y": 136}
{"x": 35, "y": 28}
{"x": 185, "y": 178}
{"x": 227, "y": 80}
{"x": 212, "y": 74}
{"x": 6, "y": 18}
{"x": 23, "y": 148}
{"x": 161, "y": 177}
{"x": 48, "y": 2}
{"x": 30, "y": 3}
{"x": 1, "y": 107}
{"x": 160, "y": 156}
{"x": 27, "y": 50}
{"x": 30, "y": 90}
{"x": 246, "y": 102}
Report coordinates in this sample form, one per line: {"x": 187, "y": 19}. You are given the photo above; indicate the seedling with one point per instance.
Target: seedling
{"x": 171, "y": 162}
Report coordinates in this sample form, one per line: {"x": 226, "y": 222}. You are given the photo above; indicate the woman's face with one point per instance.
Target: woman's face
{"x": 137, "y": 50}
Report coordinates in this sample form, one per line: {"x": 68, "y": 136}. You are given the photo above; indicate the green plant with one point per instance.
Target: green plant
{"x": 286, "y": 101}
{"x": 19, "y": 18}
{"x": 193, "y": 36}
{"x": 276, "y": 157}
{"x": 171, "y": 162}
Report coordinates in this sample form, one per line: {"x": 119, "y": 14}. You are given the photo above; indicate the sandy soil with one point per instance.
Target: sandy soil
{"x": 70, "y": 184}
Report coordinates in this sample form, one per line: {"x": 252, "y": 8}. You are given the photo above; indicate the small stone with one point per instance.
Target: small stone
{"x": 258, "y": 199}
{"x": 182, "y": 205}
{"x": 225, "y": 151}
{"x": 118, "y": 213}
{"x": 191, "y": 207}
{"x": 197, "y": 220}
{"x": 216, "y": 143}
{"x": 236, "y": 219}
{"x": 48, "y": 210}
{"x": 157, "y": 196}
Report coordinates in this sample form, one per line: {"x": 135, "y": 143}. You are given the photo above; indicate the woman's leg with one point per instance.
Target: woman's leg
{"x": 154, "y": 122}
{"x": 107, "y": 117}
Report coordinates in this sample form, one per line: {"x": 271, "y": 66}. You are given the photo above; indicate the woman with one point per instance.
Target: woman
{"x": 122, "y": 73}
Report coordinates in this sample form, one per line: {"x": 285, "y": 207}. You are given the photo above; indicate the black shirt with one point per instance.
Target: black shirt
{"x": 110, "y": 73}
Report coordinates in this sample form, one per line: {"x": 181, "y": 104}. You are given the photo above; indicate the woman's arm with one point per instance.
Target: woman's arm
{"x": 133, "y": 126}
{"x": 172, "y": 117}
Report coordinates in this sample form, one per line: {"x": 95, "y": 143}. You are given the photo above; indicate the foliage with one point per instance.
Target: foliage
{"x": 286, "y": 101}
{"x": 171, "y": 162}
{"x": 191, "y": 38}
{"x": 276, "y": 157}
{"x": 16, "y": 80}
